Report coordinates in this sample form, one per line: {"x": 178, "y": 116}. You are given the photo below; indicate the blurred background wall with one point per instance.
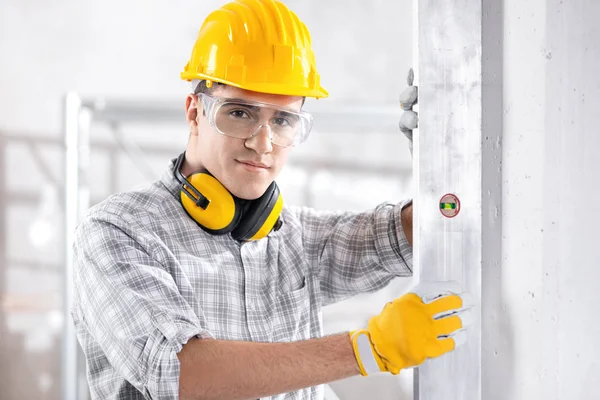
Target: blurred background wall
{"x": 540, "y": 326}
{"x": 134, "y": 51}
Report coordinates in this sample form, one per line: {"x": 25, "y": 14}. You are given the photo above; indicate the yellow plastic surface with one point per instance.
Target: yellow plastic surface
{"x": 221, "y": 210}
{"x": 271, "y": 219}
{"x": 258, "y": 45}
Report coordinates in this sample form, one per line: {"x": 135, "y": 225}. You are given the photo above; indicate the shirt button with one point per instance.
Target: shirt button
{"x": 161, "y": 318}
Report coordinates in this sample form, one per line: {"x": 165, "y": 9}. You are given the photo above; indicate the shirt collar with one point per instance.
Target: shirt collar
{"x": 169, "y": 181}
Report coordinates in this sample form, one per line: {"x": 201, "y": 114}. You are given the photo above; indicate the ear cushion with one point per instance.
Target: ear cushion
{"x": 261, "y": 216}
{"x": 222, "y": 213}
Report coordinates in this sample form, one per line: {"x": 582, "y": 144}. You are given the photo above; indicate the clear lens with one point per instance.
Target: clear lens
{"x": 236, "y": 120}
{"x": 244, "y": 119}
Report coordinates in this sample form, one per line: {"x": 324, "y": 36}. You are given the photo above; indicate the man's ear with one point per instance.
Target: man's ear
{"x": 191, "y": 110}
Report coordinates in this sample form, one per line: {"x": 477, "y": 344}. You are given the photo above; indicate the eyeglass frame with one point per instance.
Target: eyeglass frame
{"x": 212, "y": 104}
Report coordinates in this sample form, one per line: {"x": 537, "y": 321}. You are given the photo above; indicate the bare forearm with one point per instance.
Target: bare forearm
{"x": 219, "y": 369}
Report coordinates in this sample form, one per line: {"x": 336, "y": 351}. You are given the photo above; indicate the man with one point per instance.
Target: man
{"x": 204, "y": 286}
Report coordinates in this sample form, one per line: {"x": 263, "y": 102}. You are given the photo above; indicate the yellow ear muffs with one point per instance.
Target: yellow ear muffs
{"x": 221, "y": 214}
{"x": 217, "y": 211}
{"x": 261, "y": 216}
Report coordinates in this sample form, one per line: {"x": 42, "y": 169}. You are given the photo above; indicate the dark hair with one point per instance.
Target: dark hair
{"x": 202, "y": 88}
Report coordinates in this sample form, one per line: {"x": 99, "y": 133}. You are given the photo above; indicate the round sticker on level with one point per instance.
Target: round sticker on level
{"x": 450, "y": 205}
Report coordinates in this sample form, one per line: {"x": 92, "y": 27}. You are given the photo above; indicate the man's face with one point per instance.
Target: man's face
{"x": 245, "y": 167}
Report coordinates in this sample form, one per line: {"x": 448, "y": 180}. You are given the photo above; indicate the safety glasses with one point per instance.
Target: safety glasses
{"x": 244, "y": 119}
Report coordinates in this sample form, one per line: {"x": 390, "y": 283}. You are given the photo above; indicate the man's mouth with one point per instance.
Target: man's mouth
{"x": 253, "y": 165}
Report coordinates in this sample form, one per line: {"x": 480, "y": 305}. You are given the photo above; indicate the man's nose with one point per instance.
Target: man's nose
{"x": 261, "y": 140}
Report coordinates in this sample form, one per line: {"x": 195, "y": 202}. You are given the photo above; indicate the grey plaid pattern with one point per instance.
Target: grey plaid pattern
{"x": 147, "y": 279}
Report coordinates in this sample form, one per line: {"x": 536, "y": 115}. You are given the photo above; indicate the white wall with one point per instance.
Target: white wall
{"x": 546, "y": 345}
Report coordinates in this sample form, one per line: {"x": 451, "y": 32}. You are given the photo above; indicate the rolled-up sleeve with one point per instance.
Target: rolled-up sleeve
{"x": 356, "y": 252}
{"x": 129, "y": 306}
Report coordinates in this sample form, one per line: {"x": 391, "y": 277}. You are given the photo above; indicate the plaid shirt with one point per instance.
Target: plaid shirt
{"x": 147, "y": 279}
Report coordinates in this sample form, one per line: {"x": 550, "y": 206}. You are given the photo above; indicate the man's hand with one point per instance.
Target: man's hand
{"x": 409, "y": 119}
{"x": 427, "y": 322}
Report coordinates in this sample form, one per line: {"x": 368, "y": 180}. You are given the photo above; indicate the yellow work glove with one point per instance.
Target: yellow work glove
{"x": 430, "y": 320}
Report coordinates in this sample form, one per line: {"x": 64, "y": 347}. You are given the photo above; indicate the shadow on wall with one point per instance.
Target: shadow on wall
{"x": 499, "y": 372}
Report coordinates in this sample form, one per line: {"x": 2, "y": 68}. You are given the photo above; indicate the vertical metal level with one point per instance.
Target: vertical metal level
{"x": 76, "y": 129}
{"x": 450, "y": 157}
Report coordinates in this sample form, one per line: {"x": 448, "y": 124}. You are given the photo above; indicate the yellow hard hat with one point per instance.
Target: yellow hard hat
{"x": 258, "y": 45}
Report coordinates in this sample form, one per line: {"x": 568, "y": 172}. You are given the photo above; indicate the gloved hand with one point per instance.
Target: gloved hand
{"x": 430, "y": 320}
{"x": 409, "y": 119}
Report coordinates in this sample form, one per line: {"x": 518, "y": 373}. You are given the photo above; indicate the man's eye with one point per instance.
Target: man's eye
{"x": 239, "y": 114}
{"x": 281, "y": 121}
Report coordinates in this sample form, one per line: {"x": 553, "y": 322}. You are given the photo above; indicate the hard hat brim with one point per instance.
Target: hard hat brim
{"x": 262, "y": 87}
